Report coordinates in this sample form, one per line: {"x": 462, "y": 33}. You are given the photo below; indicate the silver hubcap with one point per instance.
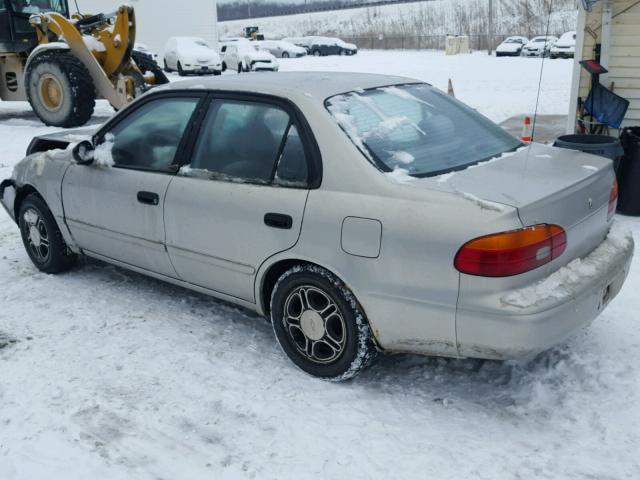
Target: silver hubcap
{"x": 314, "y": 324}
{"x": 37, "y": 235}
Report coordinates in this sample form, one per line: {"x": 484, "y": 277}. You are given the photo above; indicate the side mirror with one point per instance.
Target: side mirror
{"x": 83, "y": 153}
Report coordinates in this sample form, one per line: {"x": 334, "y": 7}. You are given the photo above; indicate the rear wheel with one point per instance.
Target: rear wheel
{"x": 146, "y": 63}
{"x": 316, "y": 53}
{"x": 181, "y": 72}
{"x": 42, "y": 238}
{"x": 60, "y": 89}
{"x": 166, "y": 66}
{"x": 320, "y": 325}
{"x": 285, "y": 54}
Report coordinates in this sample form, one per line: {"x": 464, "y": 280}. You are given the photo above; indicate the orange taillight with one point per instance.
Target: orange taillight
{"x": 511, "y": 253}
{"x": 613, "y": 199}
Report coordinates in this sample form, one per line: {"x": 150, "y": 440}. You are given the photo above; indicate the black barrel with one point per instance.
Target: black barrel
{"x": 603, "y": 145}
{"x": 629, "y": 172}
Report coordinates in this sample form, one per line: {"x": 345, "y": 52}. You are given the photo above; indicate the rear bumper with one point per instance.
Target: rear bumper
{"x": 529, "y": 322}
{"x": 8, "y": 196}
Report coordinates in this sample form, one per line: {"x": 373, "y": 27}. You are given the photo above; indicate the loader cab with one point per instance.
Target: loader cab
{"x": 16, "y": 33}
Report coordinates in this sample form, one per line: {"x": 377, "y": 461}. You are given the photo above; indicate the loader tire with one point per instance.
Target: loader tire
{"x": 146, "y": 63}
{"x": 60, "y": 89}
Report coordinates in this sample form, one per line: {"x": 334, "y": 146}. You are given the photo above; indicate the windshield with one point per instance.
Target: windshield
{"x": 39, "y": 6}
{"x": 513, "y": 40}
{"x": 418, "y": 128}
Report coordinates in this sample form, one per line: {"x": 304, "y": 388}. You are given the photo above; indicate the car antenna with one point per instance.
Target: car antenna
{"x": 546, "y": 39}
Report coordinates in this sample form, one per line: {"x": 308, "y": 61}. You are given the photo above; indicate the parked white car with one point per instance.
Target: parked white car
{"x": 191, "y": 55}
{"x": 282, "y": 49}
{"x": 539, "y": 46}
{"x": 511, "y": 46}
{"x": 565, "y": 47}
{"x": 246, "y": 56}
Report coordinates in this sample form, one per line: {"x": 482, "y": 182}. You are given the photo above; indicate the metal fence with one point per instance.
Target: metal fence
{"x": 420, "y": 42}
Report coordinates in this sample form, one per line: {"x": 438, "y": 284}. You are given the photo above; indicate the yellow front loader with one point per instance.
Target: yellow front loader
{"x": 61, "y": 64}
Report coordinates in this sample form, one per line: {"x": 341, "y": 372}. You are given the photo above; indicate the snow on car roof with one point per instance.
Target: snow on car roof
{"x": 319, "y": 85}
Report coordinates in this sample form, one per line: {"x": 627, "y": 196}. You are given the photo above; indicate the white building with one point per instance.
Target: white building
{"x": 613, "y": 27}
{"x": 157, "y": 20}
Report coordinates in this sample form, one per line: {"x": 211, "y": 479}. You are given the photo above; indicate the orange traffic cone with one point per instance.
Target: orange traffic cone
{"x": 527, "y": 130}
{"x": 450, "y": 89}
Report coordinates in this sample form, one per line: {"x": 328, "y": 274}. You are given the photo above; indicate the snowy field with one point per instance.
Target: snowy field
{"x": 106, "y": 374}
{"x": 429, "y": 17}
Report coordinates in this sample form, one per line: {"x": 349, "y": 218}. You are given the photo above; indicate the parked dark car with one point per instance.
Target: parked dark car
{"x": 323, "y": 46}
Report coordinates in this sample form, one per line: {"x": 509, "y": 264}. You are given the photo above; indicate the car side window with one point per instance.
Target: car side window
{"x": 149, "y": 137}
{"x": 292, "y": 169}
{"x": 248, "y": 141}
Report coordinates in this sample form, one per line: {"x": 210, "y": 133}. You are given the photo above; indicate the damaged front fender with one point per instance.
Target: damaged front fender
{"x": 8, "y": 192}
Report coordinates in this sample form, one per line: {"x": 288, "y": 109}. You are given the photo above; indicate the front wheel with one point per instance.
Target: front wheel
{"x": 42, "y": 238}
{"x": 285, "y": 54}
{"x": 320, "y": 325}
{"x": 181, "y": 72}
{"x": 60, "y": 89}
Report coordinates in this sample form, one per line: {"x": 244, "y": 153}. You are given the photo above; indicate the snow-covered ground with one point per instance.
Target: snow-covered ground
{"x": 106, "y": 374}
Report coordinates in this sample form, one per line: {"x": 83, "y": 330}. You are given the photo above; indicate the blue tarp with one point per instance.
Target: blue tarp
{"x": 588, "y": 4}
{"x": 605, "y": 106}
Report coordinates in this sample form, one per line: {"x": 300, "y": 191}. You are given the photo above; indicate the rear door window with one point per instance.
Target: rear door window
{"x": 250, "y": 142}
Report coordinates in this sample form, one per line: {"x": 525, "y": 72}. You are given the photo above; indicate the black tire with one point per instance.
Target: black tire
{"x": 224, "y": 66}
{"x": 285, "y": 54}
{"x": 166, "y": 66}
{"x": 146, "y": 63}
{"x": 344, "y": 327}
{"x": 240, "y": 69}
{"x": 66, "y": 74}
{"x": 316, "y": 53}
{"x": 181, "y": 72}
{"x": 34, "y": 215}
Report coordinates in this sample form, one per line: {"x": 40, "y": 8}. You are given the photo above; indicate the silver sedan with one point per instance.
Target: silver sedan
{"x": 362, "y": 213}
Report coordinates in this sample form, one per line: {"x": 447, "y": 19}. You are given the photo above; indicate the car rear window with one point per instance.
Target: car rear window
{"x": 418, "y": 128}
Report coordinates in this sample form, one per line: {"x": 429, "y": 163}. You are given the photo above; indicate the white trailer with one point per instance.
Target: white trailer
{"x": 158, "y": 20}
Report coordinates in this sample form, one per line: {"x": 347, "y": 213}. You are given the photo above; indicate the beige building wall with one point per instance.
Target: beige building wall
{"x": 615, "y": 24}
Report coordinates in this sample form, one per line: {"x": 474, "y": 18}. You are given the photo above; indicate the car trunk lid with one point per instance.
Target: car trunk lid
{"x": 546, "y": 185}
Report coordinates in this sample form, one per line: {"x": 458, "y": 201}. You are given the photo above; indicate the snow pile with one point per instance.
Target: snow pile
{"x": 567, "y": 281}
{"x": 402, "y": 157}
{"x": 483, "y": 204}
{"x": 339, "y": 108}
{"x": 93, "y": 43}
{"x": 102, "y": 155}
{"x": 400, "y": 176}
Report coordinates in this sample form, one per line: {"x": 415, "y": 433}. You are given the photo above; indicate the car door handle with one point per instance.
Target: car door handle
{"x": 148, "y": 198}
{"x": 278, "y": 220}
